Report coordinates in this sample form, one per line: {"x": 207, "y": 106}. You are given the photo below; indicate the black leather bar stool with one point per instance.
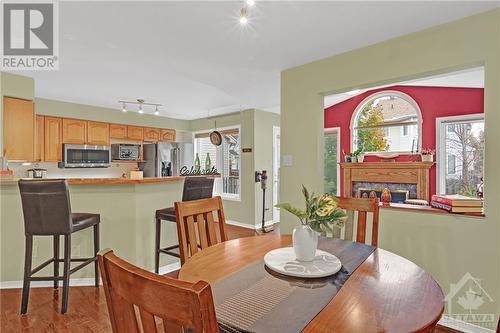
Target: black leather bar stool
{"x": 195, "y": 188}
{"x": 47, "y": 212}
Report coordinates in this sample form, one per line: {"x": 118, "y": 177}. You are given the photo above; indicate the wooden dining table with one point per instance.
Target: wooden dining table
{"x": 386, "y": 293}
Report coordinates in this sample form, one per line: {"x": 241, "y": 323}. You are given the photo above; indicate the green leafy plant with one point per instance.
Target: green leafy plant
{"x": 321, "y": 212}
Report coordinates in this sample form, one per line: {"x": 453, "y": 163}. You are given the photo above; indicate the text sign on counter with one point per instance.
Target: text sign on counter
{"x": 192, "y": 172}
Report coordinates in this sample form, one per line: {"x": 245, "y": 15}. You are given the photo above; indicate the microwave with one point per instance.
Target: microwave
{"x": 125, "y": 151}
{"x": 86, "y": 156}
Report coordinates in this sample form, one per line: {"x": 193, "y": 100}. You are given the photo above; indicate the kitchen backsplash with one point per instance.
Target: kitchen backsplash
{"x": 116, "y": 170}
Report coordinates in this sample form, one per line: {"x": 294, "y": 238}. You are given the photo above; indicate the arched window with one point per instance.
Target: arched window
{"x": 386, "y": 122}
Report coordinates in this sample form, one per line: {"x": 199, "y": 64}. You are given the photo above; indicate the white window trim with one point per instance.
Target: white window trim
{"x": 226, "y": 196}
{"x": 441, "y": 145}
{"x": 402, "y": 95}
{"x": 332, "y": 130}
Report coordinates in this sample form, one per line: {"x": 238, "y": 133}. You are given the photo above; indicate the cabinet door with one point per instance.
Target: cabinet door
{"x": 39, "y": 137}
{"x": 18, "y": 129}
{"x": 74, "y": 131}
{"x": 117, "y": 131}
{"x": 53, "y": 139}
{"x": 134, "y": 133}
{"x": 151, "y": 134}
{"x": 167, "y": 135}
{"x": 97, "y": 133}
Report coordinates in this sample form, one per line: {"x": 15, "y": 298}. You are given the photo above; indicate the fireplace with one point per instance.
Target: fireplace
{"x": 405, "y": 180}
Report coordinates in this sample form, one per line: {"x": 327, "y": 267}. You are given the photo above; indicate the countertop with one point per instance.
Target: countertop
{"x": 115, "y": 181}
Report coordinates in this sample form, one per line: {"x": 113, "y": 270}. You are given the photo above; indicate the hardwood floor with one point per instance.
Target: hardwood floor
{"x": 87, "y": 310}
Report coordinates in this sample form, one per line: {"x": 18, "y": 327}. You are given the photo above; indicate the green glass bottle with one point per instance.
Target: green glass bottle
{"x": 208, "y": 163}
{"x": 197, "y": 164}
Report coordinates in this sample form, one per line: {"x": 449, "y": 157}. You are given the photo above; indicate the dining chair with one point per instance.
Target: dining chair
{"x": 362, "y": 206}
{"x": 137, "y": 298}
{"x": 196, "y": 225}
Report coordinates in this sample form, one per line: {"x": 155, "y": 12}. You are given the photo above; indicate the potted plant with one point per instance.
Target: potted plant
{"x": 359, "y": 155}
{"x": 427, "y": 155}
{"x": 320, "y": 215}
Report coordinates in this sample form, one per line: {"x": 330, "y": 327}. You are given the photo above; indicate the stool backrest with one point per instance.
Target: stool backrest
{"x": 195, "y": 221}
{"x": 362, "y": 206}
{"x": 196, "y": 188}
{"x": 46, "y": 206}
{"x": 136, "y": 298}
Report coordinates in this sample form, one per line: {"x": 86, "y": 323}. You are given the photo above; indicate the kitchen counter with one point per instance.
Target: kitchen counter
{"x": 116, "y": 181}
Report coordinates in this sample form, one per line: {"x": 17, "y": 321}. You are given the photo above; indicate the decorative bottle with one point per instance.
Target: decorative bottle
{"x": 197, "y": 164}
{"x": 208, "y": 163}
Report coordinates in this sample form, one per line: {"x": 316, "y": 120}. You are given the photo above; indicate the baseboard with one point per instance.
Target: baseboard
{"x": 462, "y": 326}
{"x": 249, "y": 226}
{"x": 169, "y": 268}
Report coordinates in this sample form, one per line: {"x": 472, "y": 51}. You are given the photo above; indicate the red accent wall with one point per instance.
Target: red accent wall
{"x": 433, "y": 102}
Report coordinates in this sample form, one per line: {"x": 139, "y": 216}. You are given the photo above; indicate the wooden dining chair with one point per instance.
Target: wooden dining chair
{"x": 196, "y": 225}
{"x": 362, "y": 206}
{"x": 137, "y": 299}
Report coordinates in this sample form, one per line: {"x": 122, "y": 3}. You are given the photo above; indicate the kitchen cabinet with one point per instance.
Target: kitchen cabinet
{"x": 39, "y": 137}
{"x": 167, "y": 135}
{"x": 18, "y": 129}
{"x": 53, "y": 139}
{"x": 117, "y": 131}
{"x": 151, "y": 134}
{"x": 97, "y": 133}
{"x": 134, "y": 133}
{"x": 74, "y": 131}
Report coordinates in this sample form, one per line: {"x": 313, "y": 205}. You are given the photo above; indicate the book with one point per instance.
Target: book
{"x": 456, "y": 209}
{"x": 458, "y": 200}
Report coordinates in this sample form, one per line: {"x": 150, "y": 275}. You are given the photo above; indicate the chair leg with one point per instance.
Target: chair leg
{"x": 96, "y": 249}
{"x": 157, "y": 245}
{"x": 67, "y": 258}
{"x": 56, "y": 260}
{"x": 27, "y": 273}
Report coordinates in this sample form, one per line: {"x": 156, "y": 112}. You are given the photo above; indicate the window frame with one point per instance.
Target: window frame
{"x": 399, "y": 94}
{"x": 441, "y": 154}
{"x": 224, "y": 196}
{"x": 330, "y": 130}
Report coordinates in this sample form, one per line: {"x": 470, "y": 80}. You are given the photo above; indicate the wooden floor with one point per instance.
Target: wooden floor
{"x": 87, "y": 310}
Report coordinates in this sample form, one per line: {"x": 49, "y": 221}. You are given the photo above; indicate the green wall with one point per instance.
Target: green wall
{"x": 447, "y": 246}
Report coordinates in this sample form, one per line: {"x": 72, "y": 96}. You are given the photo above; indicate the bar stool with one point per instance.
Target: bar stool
{"x": 47, "y": 212}
{"x": 194, "y": 188}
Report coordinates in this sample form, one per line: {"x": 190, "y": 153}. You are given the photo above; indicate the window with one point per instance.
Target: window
{"x": 226, "y": 158}
{"x": 331, "y": 159}
{"x": 460, "y": 154}
{"x": 387, "y": 121}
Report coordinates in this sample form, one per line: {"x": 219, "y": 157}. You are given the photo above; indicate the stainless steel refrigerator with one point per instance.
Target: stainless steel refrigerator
{"x": 164, "y": 159}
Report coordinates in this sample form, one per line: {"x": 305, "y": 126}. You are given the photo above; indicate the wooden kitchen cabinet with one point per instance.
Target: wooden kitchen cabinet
{"x": 167, "y": 135}
{"x": 18, "y": 129}
{"x": 151, "y": 134}
{"x": 97, "y": 133}
{"x": 117, "y": 131}
{"x": 74, "y": 131}
{"x": 39, "y": 137}
{"x": 53, "y": 139}
{"x": 134, "y": 133}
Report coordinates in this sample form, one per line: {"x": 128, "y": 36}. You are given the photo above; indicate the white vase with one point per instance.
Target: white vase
{"x": 361, "y": 158}
{"x": 305, "y": 242}
{"x": 427, "y": 158}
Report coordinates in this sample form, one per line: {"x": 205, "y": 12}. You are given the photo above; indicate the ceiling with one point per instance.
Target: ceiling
{"x": 469, "y": 78}
{"x": 195, "y": 59}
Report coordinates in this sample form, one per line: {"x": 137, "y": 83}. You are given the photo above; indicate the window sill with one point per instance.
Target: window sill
{"x": 428, "y": 209}
{"x": 230, "y": 198}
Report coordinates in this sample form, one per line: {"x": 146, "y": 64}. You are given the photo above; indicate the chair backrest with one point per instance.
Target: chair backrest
{"x": 195, "y": 221}
{"x": 136, "y": 298}
{"x": 46, "y": 206}
{"x": 362, "y": 206}
{"x": 196, "y": 188}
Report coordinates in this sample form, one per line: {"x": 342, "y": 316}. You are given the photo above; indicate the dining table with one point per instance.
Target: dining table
{"x": 385, "y": 293}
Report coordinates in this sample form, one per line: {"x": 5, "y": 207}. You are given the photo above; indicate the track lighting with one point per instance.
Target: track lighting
{"x": 141, "y": 103}
{"x": 156, "y": 111}
{"x": 140, "y": 109}
{"x": 124, "y": 108}
{"x": 243, "y": 16}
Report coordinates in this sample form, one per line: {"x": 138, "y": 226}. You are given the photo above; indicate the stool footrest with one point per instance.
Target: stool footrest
{"x": 85, "y": 263}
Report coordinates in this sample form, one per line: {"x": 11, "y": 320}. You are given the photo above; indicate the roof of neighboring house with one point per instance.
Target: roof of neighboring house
{"x": 394, "y": 108}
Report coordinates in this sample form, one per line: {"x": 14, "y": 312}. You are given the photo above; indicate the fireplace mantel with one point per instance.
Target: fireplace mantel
{"x": 388, "y": 172}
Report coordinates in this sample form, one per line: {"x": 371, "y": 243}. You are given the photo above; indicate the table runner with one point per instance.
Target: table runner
{"x": 256, "y": 299}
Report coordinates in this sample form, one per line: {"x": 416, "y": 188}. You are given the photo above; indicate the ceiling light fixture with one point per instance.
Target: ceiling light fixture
{"x": 157, "y": 112}
{"x": 124, "y": 108}
{"x": 243, "y": 16}
{"x": 142, "y": 103}
{"x": 250, "y": 3}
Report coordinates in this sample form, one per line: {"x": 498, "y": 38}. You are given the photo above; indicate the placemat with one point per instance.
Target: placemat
{"x": 257, "y": 299}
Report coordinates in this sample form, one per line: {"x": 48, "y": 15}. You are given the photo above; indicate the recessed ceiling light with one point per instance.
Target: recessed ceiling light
{"x": 243, "y": 16}
{"x": 353, "y": 92}
{"x": 250, "y": 3}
